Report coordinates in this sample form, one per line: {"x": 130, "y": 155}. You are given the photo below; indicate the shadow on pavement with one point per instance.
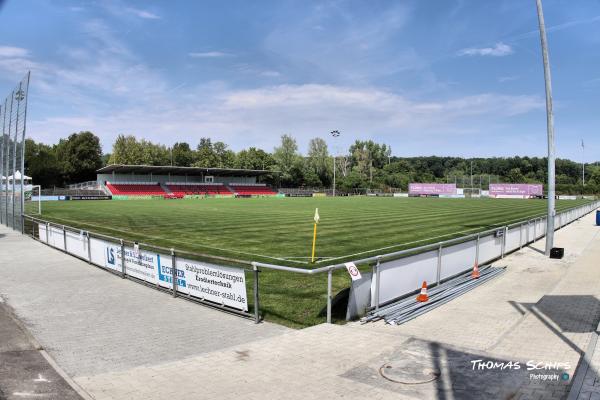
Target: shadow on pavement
{"x": 460, "y": 374}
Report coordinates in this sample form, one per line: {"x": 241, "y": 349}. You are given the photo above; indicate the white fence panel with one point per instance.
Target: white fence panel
{"x": 458, "y": 258}
{"x": 56, "y": 238}
{"x": 540, "y": 228}
{"x": 490, "y": 248}
{"x": 405, "y": 275}
{"x": 514, "y": 236}
{"x": 42, "y": 232}
{"x": 77, "y": 244}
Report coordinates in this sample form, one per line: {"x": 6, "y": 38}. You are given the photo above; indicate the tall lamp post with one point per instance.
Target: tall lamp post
{"x": 334, "y": 134}
{"x": 550, "y": 129}
{"x": 583, "y": 162}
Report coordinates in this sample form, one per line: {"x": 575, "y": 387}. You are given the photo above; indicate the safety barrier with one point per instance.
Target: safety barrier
{"x": 183, "y": 274}
{"x": 394, "y": 275}
{"x": 397, "y": 274}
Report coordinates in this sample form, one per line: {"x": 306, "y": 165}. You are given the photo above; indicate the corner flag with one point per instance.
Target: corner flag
{"x": 314, "y": 243}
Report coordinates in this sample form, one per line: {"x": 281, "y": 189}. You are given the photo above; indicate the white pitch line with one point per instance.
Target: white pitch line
{"x": 176, "y": 241}
{"x": 424, "y": 240}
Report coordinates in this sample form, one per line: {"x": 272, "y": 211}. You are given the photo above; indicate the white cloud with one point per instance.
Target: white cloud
{"x": 142, "y": 13}
{"x": 499, "y": 50}
{"x": 9, "y": 51}
{"x": 258, "y": 117}
{"x": 209, "y": 54}
{"x": 113, "y": 92}
{"x": 509, "y": 78}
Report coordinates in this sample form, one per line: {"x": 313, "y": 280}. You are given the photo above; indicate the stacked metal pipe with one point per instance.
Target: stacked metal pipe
{"x": 404, "y": 310}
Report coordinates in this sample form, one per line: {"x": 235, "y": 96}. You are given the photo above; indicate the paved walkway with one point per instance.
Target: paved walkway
{"x": 94, "y": 322}
{"x": 24, "y": 370}
{"x": 544, "y": 312}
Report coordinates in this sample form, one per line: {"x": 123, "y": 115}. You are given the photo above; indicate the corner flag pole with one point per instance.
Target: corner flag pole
{"x": 312, "y": 259}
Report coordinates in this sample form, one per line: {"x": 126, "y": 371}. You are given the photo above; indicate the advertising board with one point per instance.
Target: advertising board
{"x": 432, "y": 188}
{"x": 516, "y": 189}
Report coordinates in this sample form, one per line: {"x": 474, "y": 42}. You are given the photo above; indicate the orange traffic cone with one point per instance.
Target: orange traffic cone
{"x": 475, "y": 274}
{"x": 422, "y": 297}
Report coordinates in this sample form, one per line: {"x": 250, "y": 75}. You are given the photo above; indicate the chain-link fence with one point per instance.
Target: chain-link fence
{"x": 14, "y": 183}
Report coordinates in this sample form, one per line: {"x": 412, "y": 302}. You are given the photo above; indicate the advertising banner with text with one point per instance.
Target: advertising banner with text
{"x": 216, "y": 283}
{"x": 516, "y": 189}
{"x": 432, "y": 188}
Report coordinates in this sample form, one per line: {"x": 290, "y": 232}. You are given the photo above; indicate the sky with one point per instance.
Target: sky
{"x": 443, "y": 77}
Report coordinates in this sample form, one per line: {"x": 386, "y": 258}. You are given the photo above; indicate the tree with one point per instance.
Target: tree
{"x": 41, "y": 164}
{"x": 205, "y": 154}
{"x": 286, "y": 155}
{"x": 126, "y": 150}
{"x": 182, "y": 155}
{"x": 225, "y": 157}
{"x": 79, "y": 157}
{"x": 254, "y": 158}
{"x": 318, "y": 160}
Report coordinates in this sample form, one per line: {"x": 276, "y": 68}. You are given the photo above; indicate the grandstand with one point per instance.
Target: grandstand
{"x": 141, "y": 181}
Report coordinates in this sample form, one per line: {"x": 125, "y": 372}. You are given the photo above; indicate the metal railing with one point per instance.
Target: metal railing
{"x": 173, "y": 253}
{"x": 377, "y": 261}
{"x": 563, "y": 218}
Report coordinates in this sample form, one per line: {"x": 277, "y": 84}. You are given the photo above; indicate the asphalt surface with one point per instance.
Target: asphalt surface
{"x": 24, "y": 371}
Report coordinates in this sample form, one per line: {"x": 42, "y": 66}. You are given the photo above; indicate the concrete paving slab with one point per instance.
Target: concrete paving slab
{"x": 91, "y": 321}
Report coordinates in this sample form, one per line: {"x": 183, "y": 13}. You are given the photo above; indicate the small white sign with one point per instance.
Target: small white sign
{"x": 353, "y": 271}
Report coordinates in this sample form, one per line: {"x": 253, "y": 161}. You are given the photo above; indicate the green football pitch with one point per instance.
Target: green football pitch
{"x": 279, "y": 231}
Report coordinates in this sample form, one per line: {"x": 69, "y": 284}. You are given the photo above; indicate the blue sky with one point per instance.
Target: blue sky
{"x": 443, "y": 77}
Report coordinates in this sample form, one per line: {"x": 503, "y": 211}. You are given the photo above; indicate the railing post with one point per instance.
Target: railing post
{"x": 48, "y": 233}
{"x": 504, "y": 241}
{"x": 65, "y": 238}
{"x": 329, "y": 295}
{"x": 122, "y": 258}
{"x": 438, "y": 273}
{"x": 376, "y": 275}
{"x": 256, "y": 299}
{"x": 174, "y": 271}
{"x": 534, "y": 230}
{"x": 89, "y": 244}
{"x": 477, "y": 250}
{"x": 22, "y": 222}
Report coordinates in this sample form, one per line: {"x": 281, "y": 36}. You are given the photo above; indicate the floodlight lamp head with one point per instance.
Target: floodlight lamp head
{"x": 335, "y": 133}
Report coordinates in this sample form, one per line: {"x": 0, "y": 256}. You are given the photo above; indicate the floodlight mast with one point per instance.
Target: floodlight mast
{"x": 550, "y": 129}
{"x": 334, "y": 134}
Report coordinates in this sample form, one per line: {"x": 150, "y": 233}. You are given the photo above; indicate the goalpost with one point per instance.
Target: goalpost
{"x": 29, "y": 200}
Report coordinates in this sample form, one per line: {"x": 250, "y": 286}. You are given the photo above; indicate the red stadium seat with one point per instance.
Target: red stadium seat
{"x": 135, "y": 189}
{"x": 199, "y": 189}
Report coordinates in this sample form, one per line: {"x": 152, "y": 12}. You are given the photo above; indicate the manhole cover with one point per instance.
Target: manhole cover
{"x": 410, "y": 370}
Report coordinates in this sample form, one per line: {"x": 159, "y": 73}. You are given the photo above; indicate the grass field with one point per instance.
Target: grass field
{"x": 279, "y": 230}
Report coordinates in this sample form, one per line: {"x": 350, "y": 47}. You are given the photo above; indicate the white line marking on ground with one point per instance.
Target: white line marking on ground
{"x": 171, "y": 240}
{"x": 40, "y": 378}
{"x": 428, "y": 239}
